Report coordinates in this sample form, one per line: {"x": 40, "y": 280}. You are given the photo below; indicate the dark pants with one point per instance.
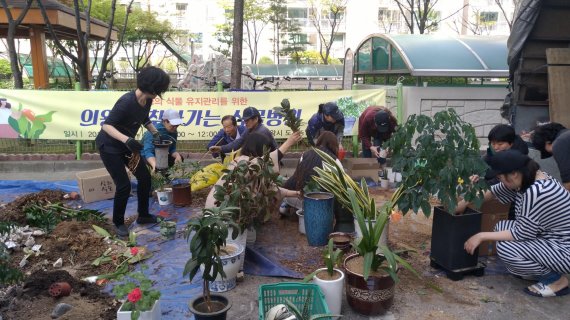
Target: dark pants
{"x": 115, "y": 163}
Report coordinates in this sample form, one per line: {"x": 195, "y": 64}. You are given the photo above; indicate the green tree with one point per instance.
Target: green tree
{"x": 420, "y": 14}
{"x": 265, "y": 60}
{"x": 5, "y": 68}
{"x": 143, "y": 34}
{"x": 255, "y": 18}
{"x": 10, "y": 39}
{"x": 323, "y": 14}
{"x": 278, "y": 18}
{"x": 295, "y": 43}
{"x": 223, "y": 35}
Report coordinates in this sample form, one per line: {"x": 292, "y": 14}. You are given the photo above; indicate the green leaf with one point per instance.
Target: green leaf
{"x": 101, "y": 231}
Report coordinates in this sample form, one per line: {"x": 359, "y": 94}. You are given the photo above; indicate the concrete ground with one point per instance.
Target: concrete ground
{"x": 487, "y": 297}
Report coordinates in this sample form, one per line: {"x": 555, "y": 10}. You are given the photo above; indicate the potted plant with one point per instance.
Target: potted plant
{"x": 180, "y": 174}
{"x": 250, "y": 185}
{"x": 370, "y": 277}
{"x": 140, "y": 300}
{"x": 436, "y": 156}
{"x": 159, "y": 182}
{"x": 330, "y": 279}
{"x": 207, "y": 236}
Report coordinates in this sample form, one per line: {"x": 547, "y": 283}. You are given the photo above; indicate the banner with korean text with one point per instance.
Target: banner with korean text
{"x": 78, "y": 115}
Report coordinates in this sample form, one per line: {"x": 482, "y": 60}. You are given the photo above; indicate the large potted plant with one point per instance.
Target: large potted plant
{"x": 250, "y": 185}
{"x": 370, "y": 276}
{"x": 207, "y": 236}
{"x": 436, "y": 156}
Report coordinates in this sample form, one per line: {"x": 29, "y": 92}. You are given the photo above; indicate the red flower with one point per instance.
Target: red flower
{"x": 163, "y": 214}
{"x": 29, "y": 114}
{"x": 134, "y": 251}
{"x": 134, "y": 295}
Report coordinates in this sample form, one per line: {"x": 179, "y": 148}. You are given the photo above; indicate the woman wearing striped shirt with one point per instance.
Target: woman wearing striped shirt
{"x": 537, "y": 244}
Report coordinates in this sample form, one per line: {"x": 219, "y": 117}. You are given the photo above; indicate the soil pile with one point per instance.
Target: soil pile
{"x": 14, "y": 211}
{"x": 32, "y": 300}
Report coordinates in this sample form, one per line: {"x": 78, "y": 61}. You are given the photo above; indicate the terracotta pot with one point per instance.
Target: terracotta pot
{"x": 341, "y": 240}
{"x": 220, "y": 307}
{"x": 59, "y": 289}
{"x": 371, "y": 297}
{"x": 181, "y": 194}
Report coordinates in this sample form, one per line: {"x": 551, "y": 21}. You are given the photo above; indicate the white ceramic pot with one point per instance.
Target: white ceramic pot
{"x": 164, "y": 197}
{"x": 242, "y": 240}
{"x": 332, "y": 289}
{"x": 152, "y": 314}
{"x": 301, "y": 216}
{"x": 384, "y": 183}
{"x": 231, "y": 263}
{"x": 383, "y": 238}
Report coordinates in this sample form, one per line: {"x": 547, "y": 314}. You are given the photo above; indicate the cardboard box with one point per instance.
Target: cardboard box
{"x": 95, "y": 185}
{"x": 361, "y": 167}
{"x": 493, "y": 211}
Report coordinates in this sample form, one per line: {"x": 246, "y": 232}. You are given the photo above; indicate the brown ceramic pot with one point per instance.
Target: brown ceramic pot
{"x": 371, "y": 297}
{"x": 60, "y": 289}
{"x": 181, "y": 194}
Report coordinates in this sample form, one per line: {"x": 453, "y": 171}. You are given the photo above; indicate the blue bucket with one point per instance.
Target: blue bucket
{"x": 319, "y": 214}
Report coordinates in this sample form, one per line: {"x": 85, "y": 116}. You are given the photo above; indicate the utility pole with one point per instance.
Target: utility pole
{"x": 465, "y": 17}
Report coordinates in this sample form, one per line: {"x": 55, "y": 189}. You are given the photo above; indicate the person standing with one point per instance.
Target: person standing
{"x": 376, "y": 124}
{"x": 328, "y": 118}
{"x": 167, "y": 129}
{"x": 553, "y": 139}
{"x": 253, "y": 122}
{"x": 230, "y": 132}
{"x": 117, "y": 145}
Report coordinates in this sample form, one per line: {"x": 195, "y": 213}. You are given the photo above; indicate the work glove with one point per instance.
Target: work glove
{"x": 133, "y": 145}
{"x": 156, "y": 138}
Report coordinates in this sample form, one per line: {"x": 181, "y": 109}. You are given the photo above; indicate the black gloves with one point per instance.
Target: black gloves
{"x": 156, "y": 139}
{"x": 133, "y": 145}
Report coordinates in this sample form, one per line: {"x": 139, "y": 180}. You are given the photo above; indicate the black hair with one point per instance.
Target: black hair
{"x": 255, "y": 144}
{"x": 234, "y": 120}
{"x": 545, "y": 133}
{"x": 528, "y": 174}
{"x": 153, "y": 80}
{"x": 502, "y": 133}
{"x": 321, "y": 108}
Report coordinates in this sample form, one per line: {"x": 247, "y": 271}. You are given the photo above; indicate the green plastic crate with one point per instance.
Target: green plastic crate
{"x": 271, "y": 295}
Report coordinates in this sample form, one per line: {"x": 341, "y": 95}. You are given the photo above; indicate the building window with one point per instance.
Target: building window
{"x": 181, "y": 6}
{"x": 297, "y": 13}
{"x": 487, "y": 16}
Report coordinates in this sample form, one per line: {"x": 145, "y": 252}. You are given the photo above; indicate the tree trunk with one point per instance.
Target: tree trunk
{"x": 14, "y": 64}
{"x": 237, "y": 45}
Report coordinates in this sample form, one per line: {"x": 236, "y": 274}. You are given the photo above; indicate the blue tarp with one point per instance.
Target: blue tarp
{"x": 169, "y": 256}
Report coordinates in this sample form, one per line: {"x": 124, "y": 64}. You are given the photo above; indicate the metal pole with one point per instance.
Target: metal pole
{"x": 78, "y": 146}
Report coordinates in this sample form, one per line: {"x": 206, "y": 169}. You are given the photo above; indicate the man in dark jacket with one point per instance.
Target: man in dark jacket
{"x": 379, "y": 124}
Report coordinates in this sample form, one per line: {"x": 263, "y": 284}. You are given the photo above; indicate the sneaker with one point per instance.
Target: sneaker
{"x": 146, "y": 219}
{"x": 284, "y": 208}
{"x": 122, "y": 230}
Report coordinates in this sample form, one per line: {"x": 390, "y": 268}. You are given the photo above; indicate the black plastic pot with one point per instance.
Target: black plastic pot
{"x": 220, "y": 307}
{"x": 448, "y": 235}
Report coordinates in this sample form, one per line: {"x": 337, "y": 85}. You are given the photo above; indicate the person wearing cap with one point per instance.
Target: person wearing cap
{"x": 167, "y": 130}
{"x": 379, "y": 124}
{"x": 553, "y": 139}
{"x": 253, "y": 122}
{"x": 328, "y": 118}
{"x": 537, "y": 244}
{"x": 227, "y": 134}
{"x": 117, "y": 145}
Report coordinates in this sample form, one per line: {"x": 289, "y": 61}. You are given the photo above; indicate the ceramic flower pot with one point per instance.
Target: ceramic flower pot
{"x": 152, "y": 314}
{"x": 301, "y": 217}
{"x": 164, "y": 197}
{"x": 319, "y": 214}
{"x": 242, "y": 240}
{"x": 219, "y": 307}
{"x": 161, "y": 154}
{"x": 231, "y": 263}
{"x": 370, "y": 297}
{"x": 331, "y": 287}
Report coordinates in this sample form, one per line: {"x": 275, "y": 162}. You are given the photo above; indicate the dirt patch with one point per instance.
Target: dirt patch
{"x": 32, "y": 300}
{"x": 76, "y": 243}
{"x": 14, "y": 212}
